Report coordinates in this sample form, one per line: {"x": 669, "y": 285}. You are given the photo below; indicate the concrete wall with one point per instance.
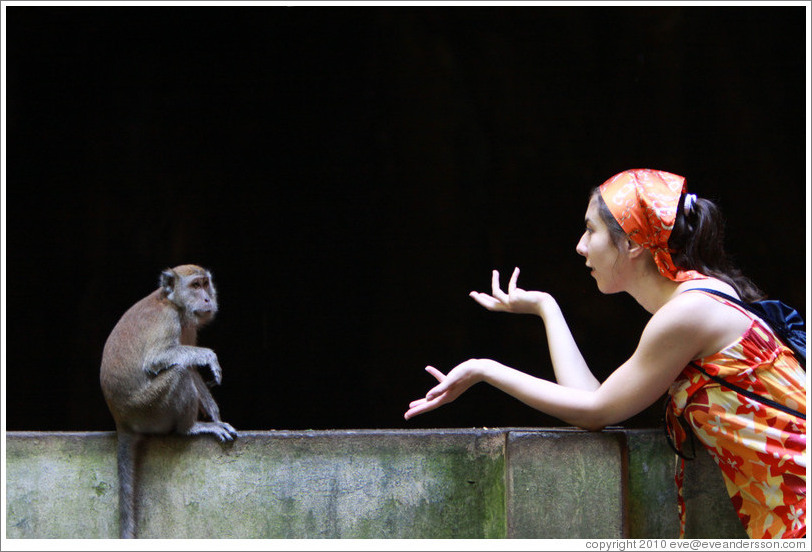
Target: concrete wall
{"x": 477, "y": 483}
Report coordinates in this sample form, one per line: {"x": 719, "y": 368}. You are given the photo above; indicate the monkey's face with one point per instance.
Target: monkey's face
{"x": 190, "y": 288}
{"x": 200, "y": 298}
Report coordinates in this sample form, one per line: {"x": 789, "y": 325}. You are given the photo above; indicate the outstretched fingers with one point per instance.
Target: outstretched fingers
{"x": 496, "y": 289}
{"x": 485, "y": 300}
{"x": 437, "y": 390}
{"x": 513, "y": 281}
{"x": 423, "y": 405}
{"x": 433, "y": 398}
{"x": 438, "y": 375}
{"x": 498, "y": 300}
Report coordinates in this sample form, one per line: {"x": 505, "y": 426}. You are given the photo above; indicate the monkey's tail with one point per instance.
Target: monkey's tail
{"x": 128, "y": 447}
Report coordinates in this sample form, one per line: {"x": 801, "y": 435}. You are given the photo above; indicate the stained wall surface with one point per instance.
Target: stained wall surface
{"x": 498, "y": 483}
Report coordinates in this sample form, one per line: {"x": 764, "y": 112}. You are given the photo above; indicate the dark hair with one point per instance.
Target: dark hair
{"x": 696, "y": 243}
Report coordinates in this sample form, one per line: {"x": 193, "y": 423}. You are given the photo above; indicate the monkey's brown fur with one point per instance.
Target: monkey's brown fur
{"x": 150, "y": 372}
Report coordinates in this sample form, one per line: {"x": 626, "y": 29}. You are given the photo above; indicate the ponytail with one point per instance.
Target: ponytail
{"x": 697, "y": 243}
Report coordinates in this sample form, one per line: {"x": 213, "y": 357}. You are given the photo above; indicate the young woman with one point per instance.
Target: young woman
{"x": 645, "y": 236}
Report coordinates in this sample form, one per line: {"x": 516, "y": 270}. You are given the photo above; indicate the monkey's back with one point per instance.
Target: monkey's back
{"x": 142, "y": 328}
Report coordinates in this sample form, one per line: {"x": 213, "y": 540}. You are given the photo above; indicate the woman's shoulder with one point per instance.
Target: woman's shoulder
{"x": 691, "y": 302}
{"x": 691, "y": 295}
{"x": 712, "y": 322}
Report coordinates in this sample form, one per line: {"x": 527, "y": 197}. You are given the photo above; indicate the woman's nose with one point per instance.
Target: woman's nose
{"x": 581, "y": 247}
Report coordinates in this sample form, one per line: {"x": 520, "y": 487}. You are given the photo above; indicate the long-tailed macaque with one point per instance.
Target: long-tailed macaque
{"x": 155, "y": 378}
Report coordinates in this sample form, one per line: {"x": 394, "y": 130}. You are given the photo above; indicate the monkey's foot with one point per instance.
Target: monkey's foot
{"x": 223, "y": 431}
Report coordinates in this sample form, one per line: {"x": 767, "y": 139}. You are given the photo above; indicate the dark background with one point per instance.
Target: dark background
{"x": 350, "y": 174}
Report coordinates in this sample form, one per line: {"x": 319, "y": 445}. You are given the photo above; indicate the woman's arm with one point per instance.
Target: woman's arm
{"x": 564, "y": 403}
{"x": 671, "y": 339}
{"x": 569, "y": 365}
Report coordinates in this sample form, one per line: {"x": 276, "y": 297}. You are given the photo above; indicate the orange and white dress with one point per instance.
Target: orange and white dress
{"x": 760, "y": 449}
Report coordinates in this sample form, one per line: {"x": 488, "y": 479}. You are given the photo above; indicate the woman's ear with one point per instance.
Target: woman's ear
{"x": 634, "y": 249}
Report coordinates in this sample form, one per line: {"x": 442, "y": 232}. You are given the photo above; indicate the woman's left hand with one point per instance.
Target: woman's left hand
{"x": 516, "y": 300}
{"x": 451, "y": 386}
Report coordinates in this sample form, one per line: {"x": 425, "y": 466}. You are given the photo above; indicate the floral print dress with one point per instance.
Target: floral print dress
{"x": 760, "y": 449}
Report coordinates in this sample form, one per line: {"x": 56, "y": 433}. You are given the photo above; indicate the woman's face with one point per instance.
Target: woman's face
{"x": 601, "y": 253}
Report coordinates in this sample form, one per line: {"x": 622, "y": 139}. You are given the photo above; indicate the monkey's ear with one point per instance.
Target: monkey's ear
{"x": 167, "y": 281}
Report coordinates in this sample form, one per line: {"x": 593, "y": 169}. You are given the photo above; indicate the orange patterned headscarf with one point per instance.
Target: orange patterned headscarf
{"x": 644, "y": 202}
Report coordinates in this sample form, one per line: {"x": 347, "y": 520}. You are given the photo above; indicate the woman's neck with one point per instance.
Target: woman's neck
{"x": 653, "y": 291}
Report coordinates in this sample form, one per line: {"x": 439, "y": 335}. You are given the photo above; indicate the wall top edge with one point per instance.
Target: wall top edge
{"x": 305, "y": 433}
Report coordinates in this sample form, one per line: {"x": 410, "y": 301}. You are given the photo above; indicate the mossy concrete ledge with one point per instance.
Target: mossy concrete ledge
{"x": 448, "y": 483}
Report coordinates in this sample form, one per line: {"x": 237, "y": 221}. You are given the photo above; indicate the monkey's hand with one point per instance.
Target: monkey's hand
{"x": 211, "y": 372}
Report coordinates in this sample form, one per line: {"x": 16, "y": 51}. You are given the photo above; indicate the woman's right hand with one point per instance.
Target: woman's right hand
{"x": 516, "y": 300}
{"x": 451, "y": 385}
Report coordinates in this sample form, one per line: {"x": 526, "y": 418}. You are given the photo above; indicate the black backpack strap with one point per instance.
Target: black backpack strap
{"x": 730, "y": 298}
{"x": 777, "y": 322}
{"x": 750, "y": 394}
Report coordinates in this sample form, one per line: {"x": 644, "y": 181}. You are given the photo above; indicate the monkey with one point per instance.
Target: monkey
{"x": 154, "y": 377}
